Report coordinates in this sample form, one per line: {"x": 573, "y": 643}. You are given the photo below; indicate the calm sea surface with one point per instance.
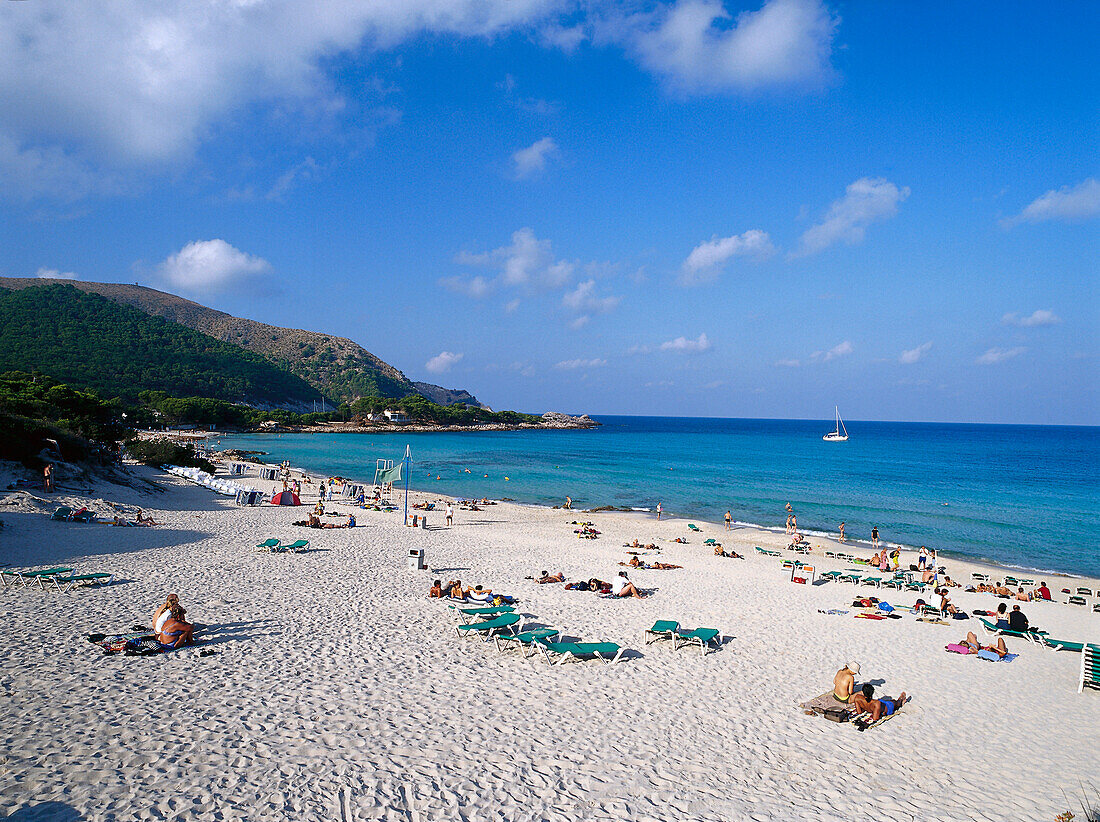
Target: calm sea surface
{"x": 1026, "y": 496}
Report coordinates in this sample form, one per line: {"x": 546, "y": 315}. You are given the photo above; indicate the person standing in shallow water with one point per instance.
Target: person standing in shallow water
{"x": 842, "y": 537}
{"x": 658, "y": 512}
{"x": 874, "y": 537}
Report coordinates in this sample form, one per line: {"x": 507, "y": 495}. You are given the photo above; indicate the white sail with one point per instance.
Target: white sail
{"x": 837, "y": 436}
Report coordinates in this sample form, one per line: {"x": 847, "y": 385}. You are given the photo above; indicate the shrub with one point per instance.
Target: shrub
{"x": 165, "y": 452}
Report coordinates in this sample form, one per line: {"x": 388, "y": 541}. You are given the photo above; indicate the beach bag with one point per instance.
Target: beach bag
{"x": 960, "y": 615}
{"x": 835, "y": 714}
{"x": 885, "y": 606}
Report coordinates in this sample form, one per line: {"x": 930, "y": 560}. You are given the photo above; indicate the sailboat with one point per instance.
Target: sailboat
{"x": 841, "y": 433}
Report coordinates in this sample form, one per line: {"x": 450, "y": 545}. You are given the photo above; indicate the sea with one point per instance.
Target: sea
{"x": 1026, "y": 497}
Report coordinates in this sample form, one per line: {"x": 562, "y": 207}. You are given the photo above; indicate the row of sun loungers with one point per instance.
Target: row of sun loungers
{"x": 490, "y": 624}
{"x": 60, "y": 579}
{"x": 274, "y": 546}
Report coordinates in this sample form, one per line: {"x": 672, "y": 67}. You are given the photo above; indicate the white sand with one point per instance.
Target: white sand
{"x": 339, "y": 691}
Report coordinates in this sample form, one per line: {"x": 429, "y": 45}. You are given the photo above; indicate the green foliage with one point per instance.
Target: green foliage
{"x": 419, "y": 409}
{"x": 165, "y": 452}
{"x": 36, "y": 413}
{"x": 89, "y": 341}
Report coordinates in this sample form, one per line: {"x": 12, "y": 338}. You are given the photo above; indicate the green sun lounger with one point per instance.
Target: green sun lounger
{"x": 30, "y": 577}
{"x": 269, "y": 545}
{"x": 700, "y": 636}
{"x": 710, "y": 541}
{"x": 524, "y": 640}
{"x": 473, "y": 614}
{"x": 830, "y": 575}
{"x": 62, "y": 514}
{"x": 693, "y": 527}
{"x": 1060, "y": 644}
{"x": 558, "y": 653}
{"x": 296, "y": 546}
{"x": 1090, "y": 668}
{"x": 991, "y": 628}
{"x": 66, "y": 584}
{"x": 662, "y": 629}
{"x": 766, "y": 552}
{"x": 489, "y": 626}
{"x": 855, "y": 579}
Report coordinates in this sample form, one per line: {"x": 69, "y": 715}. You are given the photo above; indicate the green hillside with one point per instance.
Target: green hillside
{"x": 92, "y": 342}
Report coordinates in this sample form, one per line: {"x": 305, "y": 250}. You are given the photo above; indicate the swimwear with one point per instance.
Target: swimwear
{"x": 888, "y": 704}
{"x": 839, "y": 698}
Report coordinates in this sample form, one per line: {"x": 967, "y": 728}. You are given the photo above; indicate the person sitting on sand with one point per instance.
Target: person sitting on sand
{"x": 623, "y": 587}
{"x": 945, "y": 602}
{"x": 950, "y": 583}
{"x": 160, "y": 616}
{"x": 547, "y": 577}
{"x": 144, "y": 520}
{"x": 864, "y": 701}
{"x": 436, "y": 591}
{"x": 971, "y": 642}
{"x": 1043, "y": 592}
{"x": 1023, "y": 596}
{"x": 456, "y": 590}
{"x": 1002, "y": 591}
{"x": 176, "y": 631}
{"x": 315, "y": 521}
{"x": 928, "y": 575}
{"x": 844, "y": 683}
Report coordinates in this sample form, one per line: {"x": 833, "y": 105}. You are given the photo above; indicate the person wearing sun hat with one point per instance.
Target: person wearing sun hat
{"x": 844, "y": 683}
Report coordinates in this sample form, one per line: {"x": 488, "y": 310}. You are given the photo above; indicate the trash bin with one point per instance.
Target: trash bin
{"x": 416, "y": 559}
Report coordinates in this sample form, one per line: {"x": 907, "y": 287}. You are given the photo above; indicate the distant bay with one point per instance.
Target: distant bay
{"x": 1023, "y": 496}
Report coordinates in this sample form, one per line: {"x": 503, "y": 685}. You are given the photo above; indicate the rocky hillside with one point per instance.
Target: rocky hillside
{"x": 337, "y": 367}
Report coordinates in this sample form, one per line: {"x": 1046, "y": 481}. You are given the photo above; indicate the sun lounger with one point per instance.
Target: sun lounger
{"x": 694, "y": 528}
{"x": 876, "y": 581}
{"x": 700, "y": 636}
{"x": 662, "y": 629}
{"x": 855, "y": 579}
{"x": 30, "y": 577}
{"x": 62, "y": 514}
{"x": 525, "y": 640}
{"x": 489, "y": 626}
{"x": 66, "y": 584}
{"x": 1090, "y": 668}
{"x": 991, "y": 628}
{"x": 766, "y": 552}
{"x": 268, "y": 545}
{"x": 474, "y": 614}
{"x": 1076, "y": 601}
{"x": 830, "y": 554}
{"x": 710, "y": 541}
{"x": 1059, "y": 644}
{"x": 1084, "y": 592}
{"x": 296, "y": 546}
{"x": 831, "y": 575}
{"x": 979, "y": 577}
{"x": 557, "y": 653}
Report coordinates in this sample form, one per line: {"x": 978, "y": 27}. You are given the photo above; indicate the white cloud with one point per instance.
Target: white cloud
{"x": 527, "y": 162}
{"x": 580, "y": 322}
{"x": 54, "y": 274}
{"x": 839, "y": 350}
{"x": 789, "y": 363}
{"x": 1039, "y": 317}
{"x": 443, "y": 361}
{"x": 914, "y": 354}
{"x": 708, "y": 258}
{"x": 997, "y": 355}
{"x": 476, "y": 287}
{"x": 209, "y": 265}
{"x": 1069, "y": 203}
{"x": 867, "y": 200}
{"x": 573, "y": 364}
{"x": 304, "y": 170}
{"x": 695, "y": 46}
{"x": 584, "y": 298}
{"x": 687, "y": 346}
{"x": 511, "y": 306}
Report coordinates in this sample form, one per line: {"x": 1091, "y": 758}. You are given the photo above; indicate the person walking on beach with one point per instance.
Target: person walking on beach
{"x": 874, "y": 537}
{"x": 842, "y": 537}
{"x": 729, "y": 520}
{"x": 450, "y": 514}
{"x": 47, "y": 478}
{"x": 658, "y": 512}
{"x": 568, "y": 503}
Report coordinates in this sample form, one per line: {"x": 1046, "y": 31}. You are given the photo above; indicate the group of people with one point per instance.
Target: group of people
{"x": 477, "y": 594}
{"x": 863, "y": 700}
{"x": 620, "y": 587}
{"x": 171, "y": 626}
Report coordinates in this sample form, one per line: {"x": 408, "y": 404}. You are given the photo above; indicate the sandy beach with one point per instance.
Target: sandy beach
{"x": 338, "y": 690}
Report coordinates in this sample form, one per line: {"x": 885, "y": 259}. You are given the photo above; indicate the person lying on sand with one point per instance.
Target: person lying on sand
{"x": 950, "y": 583}
{"x": 455, "y": 587}
{"x": 718, "y": 552}
{"x": 160, "y": 616}
{"x": 681, "y": 540}
{"x": 971, "y": 642}
{"x": 144, "y": 520}
{"x": 547, "y": 577}
{"x": 1002, "y": 591}
{"x": 176, "y": 631}
{"x": 349, "y": 524}
{"x": 844, "y": 683}
{"x": 863, "y": 700}
{"x": 623, "y": 587}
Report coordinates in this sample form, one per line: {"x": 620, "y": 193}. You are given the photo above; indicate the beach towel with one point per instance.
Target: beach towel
{"x": 819, "y": 704}
{"x": 991, "y": 656}
{"x": 956, "y": 648}
{"x": 863, "y": 722}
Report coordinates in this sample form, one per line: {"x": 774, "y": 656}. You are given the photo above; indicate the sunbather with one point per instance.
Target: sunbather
{"x": 160, "y": 616}
{"x": 844, "y": 683}
{"x": 144, "y": 520}
{"x": 547, "y": 577}
{"x": 971, "y": 642}
{"x": 176, "y": 631}
{"x": 436, "y": 591}
{"x": 623, "y": 587}
{"x": 863, "y": 700}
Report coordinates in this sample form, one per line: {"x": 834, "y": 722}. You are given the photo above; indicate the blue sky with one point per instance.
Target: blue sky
{"x": 681, "y": 208}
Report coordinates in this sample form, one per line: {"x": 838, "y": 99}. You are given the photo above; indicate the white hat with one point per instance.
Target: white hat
{"x": 853, "y": 667}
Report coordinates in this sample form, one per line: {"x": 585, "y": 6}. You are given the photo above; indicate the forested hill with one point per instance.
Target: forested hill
{"x": 337, "y": 367}
{"x": 92, "y": 342}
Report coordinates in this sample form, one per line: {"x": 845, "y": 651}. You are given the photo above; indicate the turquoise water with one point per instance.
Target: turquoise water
{"x": 1024, "y": 496}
